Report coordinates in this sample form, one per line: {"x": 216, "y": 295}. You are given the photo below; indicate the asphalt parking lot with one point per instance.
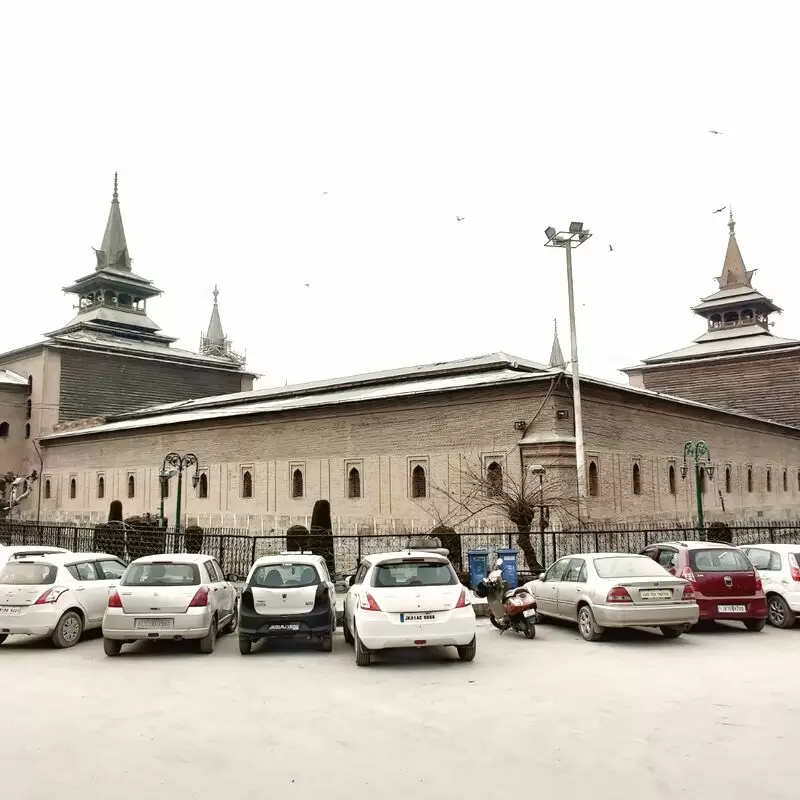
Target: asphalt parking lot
{"x": 710, "y": 715}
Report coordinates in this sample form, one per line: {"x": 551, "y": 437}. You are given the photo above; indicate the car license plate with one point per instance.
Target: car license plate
{"x": 656, "y": 594}
{"x": 153, "y": 623}
{"x": 417, "y": 617}
{"x": 732, "y": 609}
{"x": 284, "y": 627}
{"x": 531, "y": 612}
{"x": 9, "y": 609}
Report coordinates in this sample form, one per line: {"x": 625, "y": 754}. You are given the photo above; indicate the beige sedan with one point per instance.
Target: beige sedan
{"x": 615, "y": 590}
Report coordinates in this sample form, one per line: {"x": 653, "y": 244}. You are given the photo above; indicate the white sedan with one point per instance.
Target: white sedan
{"x": 408, "y": 599}
{"x": 615, "y": 590}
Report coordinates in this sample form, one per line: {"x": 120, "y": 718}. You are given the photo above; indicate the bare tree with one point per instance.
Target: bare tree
{"x": 522, "y": 499}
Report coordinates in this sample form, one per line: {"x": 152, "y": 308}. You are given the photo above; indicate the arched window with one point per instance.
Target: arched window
{"x": 47, "y": 490}
{"x": 637, "y": 479}
{"x": 247, "y": 484}
{"x": 202, "y": 486}
{"x": 785, "y": 481}
{"x": 703, "y": 480}
{"x": 494, "y": 479}
{"x": 131, "y": 486}
{"x": 769, "y": 480}
{"x": 671, "y": 475}
{"x": 27, "y": 430}
{"x": 73, "y": 489}
{"x": 28, "y": 408}
{"x": 749, "y": 479}
{"x": 30, "y": 384}
{"x": 297, "y": 483}
{"x": 3, "y": 430}
{"x": 594, "y": 483}
{"x": 354, "y": 483}
{"x": 727, "y": 480}
{"x": 101, "y": 487}
{"x": 419, "y": 482}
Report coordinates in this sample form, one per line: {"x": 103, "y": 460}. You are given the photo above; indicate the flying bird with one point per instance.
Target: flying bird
{"x": 458, "y": 219}
{"x": 610, "y": 249}
{"x": 308, "y": 286}
{"x": 719, "y": 210}
{"x": 716, "y": 133}
{"x": 324, "y": 193}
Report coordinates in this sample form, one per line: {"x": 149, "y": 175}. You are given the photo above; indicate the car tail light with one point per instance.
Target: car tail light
{"x": 463, "y": 599}
{"x": 793, "y": 567}
{"x": 368, "y": 603}
{"x": 759, "y": 585}
{"x": 619, "y": 594}
{"x": 688, "y": 575}
{"x": 51, "y": 595}
{"x": 114, "y": 600}
{"x": 200, "y": 598}
{"x": 688, "y": 593}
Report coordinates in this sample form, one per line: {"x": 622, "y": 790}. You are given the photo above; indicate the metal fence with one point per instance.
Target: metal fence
{"x": 236, "y": 549}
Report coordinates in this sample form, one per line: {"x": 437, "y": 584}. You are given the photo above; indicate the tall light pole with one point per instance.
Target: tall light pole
{"x": 567, "y": 240}
{"x": 538, "y": 469}
{"x": 179, "y": 463}
{"x": 700, "y": 454}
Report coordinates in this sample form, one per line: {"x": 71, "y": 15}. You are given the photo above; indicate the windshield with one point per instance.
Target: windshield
{"x": 279, "y": 576}
{"x": 413, "y": 572}
{"x": 27, "y": 574}
{"x": 719, "y": 560}
{"x": 629, "y": 567}
{"x": 161, "y": 574}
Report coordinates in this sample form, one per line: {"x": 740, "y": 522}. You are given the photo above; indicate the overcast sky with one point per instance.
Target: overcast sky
{"x": 228, "y": 121}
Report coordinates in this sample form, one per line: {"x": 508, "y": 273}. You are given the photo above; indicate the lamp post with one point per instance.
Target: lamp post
{"x": 538, "y": 469}
{"x": 178, "y": 463}
{"x": 567, "y": 240}
{"x": 700, "y": 454}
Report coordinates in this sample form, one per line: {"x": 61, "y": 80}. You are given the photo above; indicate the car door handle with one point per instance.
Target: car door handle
{"x": 81, "y": 589}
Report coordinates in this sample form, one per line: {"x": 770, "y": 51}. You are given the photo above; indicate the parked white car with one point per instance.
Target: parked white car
{"x": 27, "y": 551}
{"x": 170, "y": 596}
{"x": 290, "y": 595}
{"x": 408, "y": 599}
{"x": 779, "y": 568}
{"x": 615, "y": 590}
{"x": 60, "y": 595}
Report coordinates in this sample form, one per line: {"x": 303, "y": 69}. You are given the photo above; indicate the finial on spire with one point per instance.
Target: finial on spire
{"x": 116, "y": 193}
{"x": 215, "y": 293}
{"x": 557, "y": 360}
{"x": 731, "y": 223}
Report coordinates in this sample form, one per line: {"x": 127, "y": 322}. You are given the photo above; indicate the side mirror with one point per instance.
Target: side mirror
{"x": 351, "y": 580}
{"x": 541, "y": 576}
{"x": 232, "y": 577}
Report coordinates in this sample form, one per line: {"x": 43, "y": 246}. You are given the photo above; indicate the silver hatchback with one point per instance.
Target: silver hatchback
{"x": 171, "y": 596}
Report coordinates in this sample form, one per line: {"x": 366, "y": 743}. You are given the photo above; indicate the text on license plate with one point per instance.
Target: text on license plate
{"x": 732, "y": 609}
{"x": 417, "y": 617}
{"x": 9, "y": 610}
{"x": 153, "y": 623}
{"x": 284, "y": 627}
{"x": 656, "y": 594}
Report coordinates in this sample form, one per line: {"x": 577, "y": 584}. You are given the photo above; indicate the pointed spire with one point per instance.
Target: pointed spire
{"x": 734, "y": 273}
{"x": 113, "y": 251}
{"x": 556, "y": 356}
{"x": 215, "y": 336}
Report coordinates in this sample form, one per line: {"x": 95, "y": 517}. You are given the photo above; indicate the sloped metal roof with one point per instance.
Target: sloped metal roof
{"x": 9, "y": 377}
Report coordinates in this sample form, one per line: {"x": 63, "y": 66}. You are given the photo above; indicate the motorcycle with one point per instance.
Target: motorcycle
{"x": 509, "y": 609}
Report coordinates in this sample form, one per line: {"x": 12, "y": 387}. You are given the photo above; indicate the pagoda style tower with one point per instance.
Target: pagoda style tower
{"x": 215, "y": 342}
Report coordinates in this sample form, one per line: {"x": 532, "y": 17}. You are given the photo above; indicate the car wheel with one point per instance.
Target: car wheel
{"x": 68, "y": 631}
{"x": 209, "y": 641}
{"x": 529, "y": 628}
{"x": 671, "y": 631}
{"x": 245, "y": 646}
{"x": 327, "y": 644}
{"x": 467, "y": 652}
{"x": 780, "y": 615}
{"x": 3, "y": 637}
{"x": 588, "y": 628}
{"x": 112, "y": 647}
{"x": 348, "y": 637}
{"x": 755, "y": 624}
{"x": 363, "y": 656}
{"x": 233, "y": 622}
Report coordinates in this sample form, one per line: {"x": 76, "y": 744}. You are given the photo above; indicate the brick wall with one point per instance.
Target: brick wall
{"x": 385, "y": 439}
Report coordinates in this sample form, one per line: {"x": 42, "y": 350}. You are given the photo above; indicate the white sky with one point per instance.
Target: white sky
{"x": 228, "y": 121}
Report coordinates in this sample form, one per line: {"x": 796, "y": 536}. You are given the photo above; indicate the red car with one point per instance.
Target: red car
{"x": 726, "y": 585}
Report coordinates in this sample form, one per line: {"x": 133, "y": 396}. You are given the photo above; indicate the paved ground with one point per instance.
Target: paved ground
{"x": 712, "y": 715}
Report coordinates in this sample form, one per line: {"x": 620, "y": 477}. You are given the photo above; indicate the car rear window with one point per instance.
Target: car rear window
{"x": 628, "y": 567}
{"x": 280, "y": 576}
{"x": 413, "y": 572}
{"x": 719, "y": 560}
{"x": 20, "y": 573}
{"x": 161, "y": 574}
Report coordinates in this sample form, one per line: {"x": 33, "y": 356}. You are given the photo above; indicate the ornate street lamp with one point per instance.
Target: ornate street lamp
{"x": 178, "y": 463}
{"x": 700, "y": 454}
